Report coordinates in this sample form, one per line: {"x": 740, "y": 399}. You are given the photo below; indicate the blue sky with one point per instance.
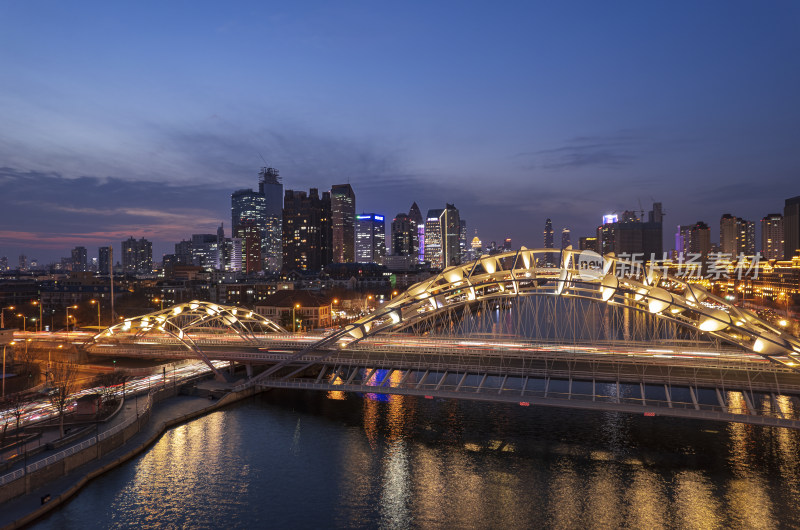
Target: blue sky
{"x": 141, "y": 119}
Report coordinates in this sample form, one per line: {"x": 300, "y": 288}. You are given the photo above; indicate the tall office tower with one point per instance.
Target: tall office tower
{"x": 79, "y": 259}
{"x": 433, "y": 238}
{"x": 183, "y": 252}
{"x": 3, "y": 263}
{"x": 606, "y": 234}
{"x": 23, "y": 262}
{"x": 370, "y": 238}
{"x": 269, "y": 185}
{"x": 728, "y": 234}
{"x": 548, "y": 234}
{"x": 772, "y": 240}
{"x": 248, "y": 216}
{"x": 450, "y": 225}
{"x": 221, "y": 248}
{"x": 656, "y": 215}
{"x": 566, "y": 240}
{"x": 343, "y": 218}
{"x": 403, "y": 235}
{"x": 307, "y": 230}
{"x": 463, "y": 244}
{"x": 137, "y": 255}
{"x": 233, "y": 254}
{"x": 700, "y": 239}
{"x": 103, "y": 260}
{"x": 791, "y": 227}
{"x": 205, "y": 252}
{"x": 419, "y": 238}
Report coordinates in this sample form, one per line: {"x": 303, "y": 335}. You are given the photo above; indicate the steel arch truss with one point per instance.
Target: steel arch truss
{"x": 573, "y": 274}
{"x": 187, "y": 322}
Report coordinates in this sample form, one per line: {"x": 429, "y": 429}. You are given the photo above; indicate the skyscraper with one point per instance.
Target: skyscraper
{"x": 269, "y": 185}
{"x": 737, "y": 236}
{"x": 548, "y": 234}
{"x": 307, "y": 231}
{"x": 205, "y": 251}
{"x": 343, "y": 215}
{"x": 701, "y": 239}
{"x": 463, "y": 243}
{"x": 433, "y": 238}
{"x": 137, "y": 255}
{"x": 403, "y": 236}
{"x": 772, "y": 240}
{"x": 103, "y": 260}
{"x": 370, "y": 238}
{"x": 791, "y": 227}
{"x": 419, "y": 239}
{"x": 248, "y": 221}
{"x": 566, "y": 240}
{"x": 450, "y": 226}
{"x": 79, "y": 259}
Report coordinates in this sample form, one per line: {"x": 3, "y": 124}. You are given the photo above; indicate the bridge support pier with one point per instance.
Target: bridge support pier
{"x": 249, "y": 368}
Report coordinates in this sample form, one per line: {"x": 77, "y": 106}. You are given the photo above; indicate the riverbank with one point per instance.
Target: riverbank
{"x": 26, "y": 509}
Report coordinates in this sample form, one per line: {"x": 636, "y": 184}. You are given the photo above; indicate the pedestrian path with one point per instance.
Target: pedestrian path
{"x": 163, "y": 412}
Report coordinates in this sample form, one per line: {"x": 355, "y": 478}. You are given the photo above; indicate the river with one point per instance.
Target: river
{"x": 293, "y": 459}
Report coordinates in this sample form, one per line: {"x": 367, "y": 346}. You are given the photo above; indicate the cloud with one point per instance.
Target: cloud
{"x": 611, "y": 150}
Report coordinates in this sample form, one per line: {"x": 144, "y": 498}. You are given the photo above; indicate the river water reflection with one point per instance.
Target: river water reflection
{"x": 289, "y": 459}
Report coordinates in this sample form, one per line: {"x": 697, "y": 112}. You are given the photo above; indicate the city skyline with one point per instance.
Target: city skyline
{"x": 144, "y": 125}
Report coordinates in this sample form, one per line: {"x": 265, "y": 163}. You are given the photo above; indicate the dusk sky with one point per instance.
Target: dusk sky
{"x": 140, "y": 119}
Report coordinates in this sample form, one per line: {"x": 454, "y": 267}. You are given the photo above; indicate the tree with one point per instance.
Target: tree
{"x": 108, "y": 384}
{"x": 16, "y": 404}
{"x": 63, "y": 386}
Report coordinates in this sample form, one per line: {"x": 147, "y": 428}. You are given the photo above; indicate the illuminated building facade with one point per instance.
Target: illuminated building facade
{"x": 307, "y": 231}
{"x": 415, "y": 216}
{"x": 343, "y": 216}
{"x": 248, "y": 219}
{"x": 791, "y": 227}
{"x": 270, "y": 187}
{"x": 137, "y": 256}
{"x": 450, "y": 226}
{"x": 772, "y": 240}
{"x": 370, "y": 238}
{"x": 433, "y": 238}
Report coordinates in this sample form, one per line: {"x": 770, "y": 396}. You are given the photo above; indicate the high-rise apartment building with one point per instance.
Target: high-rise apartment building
{"x": 736, "y": 236}
{"x": 137, "y": 256}
{"x": 343, "y": 218}
{"x": 104, "y": 260}
{"x": 566, "y": 239}
{"x": 370, "y": 238}
{"x": 307, "y": 230}
{"x": 463, "y": 243}
{"x": 450, "y": 226}
{"x": 79, "y": 259}
{"x": 269, "y": 185}
{"x": 791, "y": 227}
{"x": 700, "y": 242}
{"x": 772, "y": 240}
{"x": 433, "y": 238}
{"x": 628, "y": 234}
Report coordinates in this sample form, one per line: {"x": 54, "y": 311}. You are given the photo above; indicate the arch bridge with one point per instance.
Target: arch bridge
{"x": 534, "y": 327}
{"x": 562, "y": 328}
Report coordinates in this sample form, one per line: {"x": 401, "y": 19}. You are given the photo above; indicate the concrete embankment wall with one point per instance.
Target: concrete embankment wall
{"x": 103, "y": 447}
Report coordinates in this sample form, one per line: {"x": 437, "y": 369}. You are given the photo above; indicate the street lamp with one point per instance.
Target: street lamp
{"x": 4, "y": 367}
{"x": 39, "y": 303}
{"x": 24, "y": 320}
{"x": 294, "y": 319}
{"x": 3, "y": 315}
{"x": 161, "y": 301}
{"x": 94, "y": 301}
{"x": 68, "y": 308}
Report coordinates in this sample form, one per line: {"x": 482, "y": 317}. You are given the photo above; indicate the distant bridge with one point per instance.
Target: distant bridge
{"x": 512, "y": 328}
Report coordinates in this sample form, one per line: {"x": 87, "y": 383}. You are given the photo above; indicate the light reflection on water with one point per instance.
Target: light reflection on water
{"x": 297, "y": 459}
